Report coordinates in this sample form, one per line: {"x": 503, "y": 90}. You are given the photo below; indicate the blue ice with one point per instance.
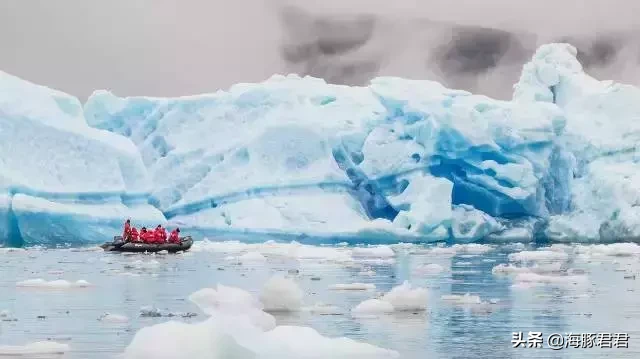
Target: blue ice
{"x": 398, "y": 158}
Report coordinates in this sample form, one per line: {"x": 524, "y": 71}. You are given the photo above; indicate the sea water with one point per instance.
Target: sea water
{"x": 563, "y": 289}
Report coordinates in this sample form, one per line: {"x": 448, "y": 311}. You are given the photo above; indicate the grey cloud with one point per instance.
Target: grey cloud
{"x": 171, "y": 48}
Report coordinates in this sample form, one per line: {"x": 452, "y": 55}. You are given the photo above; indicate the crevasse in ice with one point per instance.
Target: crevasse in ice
{"x": 392, "y": 160}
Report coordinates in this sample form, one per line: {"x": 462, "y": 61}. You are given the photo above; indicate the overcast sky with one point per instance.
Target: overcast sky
{"x": 181, "y": 47}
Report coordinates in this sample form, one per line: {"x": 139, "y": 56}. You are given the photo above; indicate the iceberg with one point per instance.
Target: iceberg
{"x": 62, "y": 181}
{"x": 295, "y": 157}
{"x": 601, "y": 137}
{"x": 300, "y": 156}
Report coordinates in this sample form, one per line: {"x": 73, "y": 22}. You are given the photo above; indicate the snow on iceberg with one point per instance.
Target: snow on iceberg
{"x": 56, "y": 172}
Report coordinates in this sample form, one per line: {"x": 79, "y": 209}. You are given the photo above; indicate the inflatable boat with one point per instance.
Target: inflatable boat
{"x": 119, "y": 245}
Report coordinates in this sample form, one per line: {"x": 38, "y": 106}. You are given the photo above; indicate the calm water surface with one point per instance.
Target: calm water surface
{"x": 122, "y": 284}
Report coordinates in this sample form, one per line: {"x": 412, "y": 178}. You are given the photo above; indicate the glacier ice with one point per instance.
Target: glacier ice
{"x": 301, "y": 156}
{"x": 296, "y": 157}
{"x": 62, "y": 181}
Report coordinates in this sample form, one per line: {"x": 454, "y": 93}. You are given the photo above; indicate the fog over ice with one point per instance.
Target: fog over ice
{"x": 172, "y": 48}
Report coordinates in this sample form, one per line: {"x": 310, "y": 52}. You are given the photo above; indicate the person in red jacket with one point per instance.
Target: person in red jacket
{"x": 175, "y": 236}
{"x": 127, "y": 230}
{"x": 146, "y": 236}
{"x": 134, "y": 234}
{"x": 160, "y": 235}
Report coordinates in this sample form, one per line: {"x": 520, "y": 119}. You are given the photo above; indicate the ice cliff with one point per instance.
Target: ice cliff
{"x": 62, "y": 181}
{"x": 397, "y": 159}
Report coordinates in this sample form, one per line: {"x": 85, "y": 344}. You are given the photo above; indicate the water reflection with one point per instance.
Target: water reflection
{"x": 447, "y": 329}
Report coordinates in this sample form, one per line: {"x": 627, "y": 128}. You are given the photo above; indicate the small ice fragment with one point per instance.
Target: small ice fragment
{"x": 254, "y": 257}
{"x": 113, "y": 318}
{"x": 281, "y": 294}
{"x": 374, "y": 252}
{"x": 323, "y": 309}
{"x": 431, "y": 268}
{"x": 353, "y": 286}
{"x": 373, "y": 306}
{"x": 34, "y": 349}
{"x": 406, "y": 298}
{"x": 462, "y": 299}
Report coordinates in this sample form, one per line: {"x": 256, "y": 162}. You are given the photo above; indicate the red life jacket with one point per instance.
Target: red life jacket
{"x": 174, "y": 237}
{"x": 157, "y": 235}
{"x": 127, "y": 230}
{"x": 147, "y": 237}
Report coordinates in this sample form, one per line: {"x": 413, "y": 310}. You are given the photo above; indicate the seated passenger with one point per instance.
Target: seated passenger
{"x": 175, "y": 236}
{"x": 160, "y": 235}
{"x": 146, "y": 236}
{"x": 127, "y": 230}
{"x": 134, "y": 235}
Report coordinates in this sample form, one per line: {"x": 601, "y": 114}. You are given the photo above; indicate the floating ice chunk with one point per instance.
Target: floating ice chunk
{"x": 293, "y": 250}
{"x": 373, "y": 306}
{"x": 353, "y": 286}
{"x": 252, "y": 257}
{"x": 281, "y": 294}
{"x": 143, "y": 265}
{"x": 367, "y": 272}
{"x": 550, "y": 279}
{"x": 612, "y": 250}
{"x": 54, "y": 284}
{"x": 432, "y": 268}
{"x": 199, "y": 341}
{"x": 470, "y": 224}
{"x": 36, "y": 349}
{"x": 538, "y": 256}
{"x": 305, "y": 342}
{"x": 113, "y": 318}
{"x": 536, "y": 268}
{"x": 377, "y": 251}
{"x": 129, "y": 274}
{"x": 231, "y": 300}
{"x": 224, "y": 298}
{"x": 470, "y": 248}
{"x": 462, "y": 299}
{"x": 87, "y": 249}
{"x": 524, "y": 285}
{"x": 152, "y": 312}
{"x": 406, "y": 298}
{"x": 234, "y": 337}
{"x": 323, "y": 309}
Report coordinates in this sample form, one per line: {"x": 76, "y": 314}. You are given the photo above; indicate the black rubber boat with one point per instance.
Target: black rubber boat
{"x": 118, "y": 245}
